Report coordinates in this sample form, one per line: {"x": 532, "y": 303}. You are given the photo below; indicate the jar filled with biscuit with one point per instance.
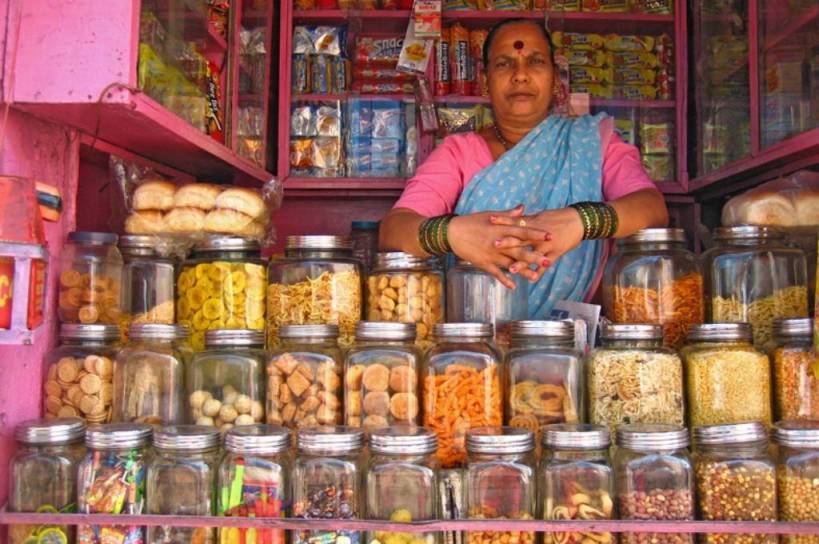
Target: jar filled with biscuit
{"x": 148, "y": 282}
{"x": 90, "y": 279}
{"x": 79, "y": 374}
{"x": 318, "y": 282}
{"x": 304, "y": 377}
{"x": 149, "y": 376}
{"x": 225, "y": 382}
{"x": 221, "y": 286}
{"x": 797, "y": 474}
{"x": 381, "y": 376}
{"x": 795, "y": 370}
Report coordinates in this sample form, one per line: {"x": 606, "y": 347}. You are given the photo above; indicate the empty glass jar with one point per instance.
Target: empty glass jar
{"x": 90, "y": 279}
{"x": 148, "y": 281}
{"x": 797, "y": 473}
{"x": 795, "y": 370}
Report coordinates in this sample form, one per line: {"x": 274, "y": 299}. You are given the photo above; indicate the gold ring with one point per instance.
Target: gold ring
{"x": 522, "y": 223}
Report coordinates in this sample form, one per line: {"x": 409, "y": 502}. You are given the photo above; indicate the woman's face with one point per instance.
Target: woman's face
{"x": 520, "y": 75}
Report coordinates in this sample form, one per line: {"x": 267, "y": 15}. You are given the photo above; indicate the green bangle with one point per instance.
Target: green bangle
{"x": 599, "y": 219}
{"x": 432, "y": 235}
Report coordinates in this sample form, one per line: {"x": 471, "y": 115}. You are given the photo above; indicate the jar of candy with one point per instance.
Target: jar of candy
{"x": 90, "y": 279}
{"x": 327, "y": 481}
{"x": 111, "y": 480}
{"x": 500, "y": 480}
{"x": 221, "y": 286}
{"x": 381, "y": 376}
{"x": 654, "y": 479}
{"x": 43, "y": 476}
{"x": 254, "y": 480}
{"x": 149, "y": 376}
{"x": 753, "y": 277}
{"x": 797, "y": 471}
{"x": 181, "y": 480}
{"x": 462, "y": 386}
{"x": 148, "y": 281}
{"x": 225, "y": 383}
{"x": 79, "y": 373}
{"x": 728, "y": 380}
{"x": 304, "y": 378}
{"x": 795, "y": 370}
{"x": 319, "y": 282}
{"x": 364, "y": 239}
{"x": 654, "y": 278}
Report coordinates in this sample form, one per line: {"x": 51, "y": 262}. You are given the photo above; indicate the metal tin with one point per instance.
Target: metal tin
{"x": 793, "y": 327}
{"x": 741, "y": 433}
{"x": 94, "y": 238}
{"x": 658, "y": 236}
{"x": 257, "y": 440}
{"x": 308, "y": 331}
{"x": 444, "y": 331}
{"x": 155, "y": 331}
{"x": 403, "y": 440}
{"x": 318, "y": 242}
{"x": 385, "y": 330}
{"x": 576, "y": 436}
{"x": 797, "y": 434}
{"x": 398, "y": 260}
{"x": 187, "y": 437}
{"x": 234, "y": 337}
{"x": 652, "y": 437}
{"x": 228, "y": 243}
{"x": 39, "y": 432}
{"x": 100, "y": 333}
{"x": 330, "y": 440}
{"x": 499, "y": 440}
{"x": 548, "y": 328}
{"x": 614, "y": 331}
{"x": 118, "y": 436}
{"x": 721, "y": 332}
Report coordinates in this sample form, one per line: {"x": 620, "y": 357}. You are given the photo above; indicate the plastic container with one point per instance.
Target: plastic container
{"x": 90, "y": 279}
{"x": 148, "y": 282}
{"x": 364, "y": 239}
{"x": 795, "y": 370}
{"x": 797, "y": 470}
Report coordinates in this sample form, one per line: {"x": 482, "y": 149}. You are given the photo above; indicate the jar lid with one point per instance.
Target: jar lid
{"x": 499, "y": 440}
{"x": 118, "y": 436}
{"x": 793, "y": 327}
{"x": 652, "y": 437}
{"x": 384, "y": 330}
{"x": 234, "y": 337}
{"x": 137, "y": 241}
{"x": 187, "y": 437}
{"x": 471, "y": 330}
{"x": 398, "y": 260}
{"x": 797, "y": 434}
{"x": 318, "y": 241}
{"x": 724, "y": 332}
{"x": 655, "y": 235}
{"x": 740, "y": 433}
{"x": 576, "y": 436}
{"x": 364, "y": 225}
{"x": 95, "y": 238}
{"x": 403, "y": 440}
{"x": 308, "y": 331}
{"x": 257, "y": 439}
{"x": 50, "y": 431}
{"x": 622, "y": 331}
{"x": 330, "y": 440}
{"x": 546, "y": 329}
{"x": 746, "y": 232}
{"x": 228, "y": 243}
{"x": 157, "y": 331}
{"x": 75, "y": 331}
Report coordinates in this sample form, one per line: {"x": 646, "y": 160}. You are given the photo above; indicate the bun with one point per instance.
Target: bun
{"x": 144, "y": 222}
{"x": 807, "y": 207}
{"x": 254, "y": 229}
{"x": 154, "y": 195}
{"x": 184, "y": 220}
{"x": 197, "y": 195}
{"x": 772, "y": 209}
{"x": 246, "y": 201}
{"x": 227, "y": 221}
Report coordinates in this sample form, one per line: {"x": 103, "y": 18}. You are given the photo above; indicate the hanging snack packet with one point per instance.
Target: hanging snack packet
{"x": 426, "y": 105}
{"x": 426, "y": 18}
{"x": 415, "y": 53}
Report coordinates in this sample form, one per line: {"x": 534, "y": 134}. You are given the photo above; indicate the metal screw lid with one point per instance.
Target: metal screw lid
{"x": 384, "y": 330}
{"x": 318, "y": 241}
{"x": 156, "y": 331}
{"x": 740, "y": 433}
{"x": 50, "y": 431}
{"x": 746, "y": 232}
{"x": 227, "y": 243}
{"x": 118, "y": 436}
{"x": 187, "y": 438}
{"x": 720, "y": 332}
{"x": 399, "y": 260}
{"x": 308, "y": 331}
{"x": 797, "y": 434}
{"x": 403, "y": 440}
{"x": 563, "y": 330}
{"x": 330, "y": 440}
{"x": 137, "y": 241}
{"x": 793, "y": 327}
{"x": 575, "y": 436}
{"x": 499, "y": 440}
{"x": 257, "y": 439}
{"x": 656, "y": 236}
{"x": 95, "y": 238}
{"x": 621, "y": 331}
{"x": 444, "y": 331}
{"x": 234, "y": 337}
{"x": 649, "y": 437}
{"x": 104, "y": 333}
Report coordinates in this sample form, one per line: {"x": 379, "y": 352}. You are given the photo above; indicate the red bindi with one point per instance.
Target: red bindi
{"x": 518, "y": 44}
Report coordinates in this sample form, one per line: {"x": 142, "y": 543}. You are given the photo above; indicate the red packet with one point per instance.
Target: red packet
{"x": 426, "y": 16}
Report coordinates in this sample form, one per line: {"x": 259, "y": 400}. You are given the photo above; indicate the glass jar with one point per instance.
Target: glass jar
{"x": 407, "y": 289}
{"x": 654, "y": 479}
{"x": 225, "y": 382}
{"x": 736, "y": 478}
{"x": 181, "y": 480}
{"x": 90, "y": 279}
{"x": 149, "y": 376}
{"x": 797, "y": 474}
{"x": 500, "y": 481}
{"x": 462, "y": 386}
{"x": 402, "y": 481}
{"x": 43, "y": 476}
{"x": 654, "y": 278}
{"x": 148, "y": 281}
{"x": 728, "y": 380}
{"x": 796, "y": 370}
{"x": 364, "y": 239}
{"x": 304, "y": 378}
{"x": 221, "y": 286}
{"x": 264, "y": 491}
{"x": 111, "y": 480}
{"x": 79, "y": 373}
{"x": 576, "y": 479}
{"x": 317, "y": 283}
{"x": 632, "y": 378}
{"x": 382, "y": 366}
{"x": 752, "y": 277}
{"x": 327, "y": 481}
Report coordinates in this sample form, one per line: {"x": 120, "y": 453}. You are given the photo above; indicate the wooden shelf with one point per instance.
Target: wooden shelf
{"x": 324, "y": 184}
{"x": 345, "y": 96}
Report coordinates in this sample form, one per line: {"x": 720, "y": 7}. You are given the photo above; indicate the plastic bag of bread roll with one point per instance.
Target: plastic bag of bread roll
{"x": 785, "y": 202}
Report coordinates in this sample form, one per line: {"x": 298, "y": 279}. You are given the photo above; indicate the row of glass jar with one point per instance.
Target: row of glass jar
{"x": 732, "y": 477}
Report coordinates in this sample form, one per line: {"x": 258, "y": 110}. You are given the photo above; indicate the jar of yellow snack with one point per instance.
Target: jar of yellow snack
{"x": 148, "y": 282}
{"x": 798, "y": 474}
{"x": 796, "y": 370}
{"x": 318, "y": 282}
{"x": 221, "y": 286}
{"x": 90, "y": 279}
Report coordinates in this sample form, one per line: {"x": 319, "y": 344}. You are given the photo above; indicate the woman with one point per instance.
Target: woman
{"x": 535, "y": 194}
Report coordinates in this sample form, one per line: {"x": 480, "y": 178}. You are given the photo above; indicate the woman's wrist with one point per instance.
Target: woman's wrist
{"x": 599, "y": 219}
{"x": 433, "y": 235}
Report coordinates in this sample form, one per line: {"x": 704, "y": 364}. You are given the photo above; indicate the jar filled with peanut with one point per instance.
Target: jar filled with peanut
{"x": 90, "y": 279}
{"x": 796, "y": 370}
{"x": 797, "y": 474}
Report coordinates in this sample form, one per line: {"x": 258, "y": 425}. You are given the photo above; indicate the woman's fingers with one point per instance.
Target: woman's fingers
{"x": 501, "y": 277}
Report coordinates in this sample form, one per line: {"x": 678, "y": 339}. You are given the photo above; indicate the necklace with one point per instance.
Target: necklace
{"x": 501, "y": 139}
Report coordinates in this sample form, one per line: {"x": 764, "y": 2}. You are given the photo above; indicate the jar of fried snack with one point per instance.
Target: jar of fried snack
{"x": 500, "y": 481}
{"x": 381, "y": 376}
{"x": 148, "y": 282}
{"x": 795, "y": 370}
{"x": 654, "y": 278}
{"x": 221, "y": 286}
{"x": 304, "y": 378}
{"x": 751, "y": 276}
{"x": 632, "y": 378}
{"x": 43, "y": 476}
{"x": 576, "y": 479}
{"x": 797, "y": 474}
{"x": 736, "y": 478}
{"x": 461, "y": 386}
{"x": 225, "y": 382}
{"x": 149, "y": 376}
{"x": 318, "y": 282}
{"x": 328, "y": 482}
{"x": 111, "y": 480}
{"x": 727, "y": 379}
{"x": 90, "y": 279}
{"x": 402, "y": 481}
{"x": 406, "y": 289}
{"x": 654, "y": 479}
{"x": 79, "y": 374}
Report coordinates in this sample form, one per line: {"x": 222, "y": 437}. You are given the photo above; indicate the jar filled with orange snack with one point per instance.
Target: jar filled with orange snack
{"x": 90, "y": 279}
{"x": 461, "y": 386}
{"x": 655, "y": 279}
{"x": 795, "y": 370}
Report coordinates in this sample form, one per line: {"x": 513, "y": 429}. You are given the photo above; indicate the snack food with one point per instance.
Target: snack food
{"x": 383, "y": 393}
{"x": 796, "y": 381}
{"x": 303, "y": 390}
{"x": 87, "y": 295}
{"x": 184, "y": 220}
{"x": 233, "y": 410}
{"x": 145, "y": 222}
{"x": 761, "y": 313}
{"x": 581, "y": 504}
{"x": 657, "y": 504}
{"x": 197, "y": 195}
{"x": 154, "y": 195}
{"x": 460, "y": 72}
{"x": 80, "y": 387}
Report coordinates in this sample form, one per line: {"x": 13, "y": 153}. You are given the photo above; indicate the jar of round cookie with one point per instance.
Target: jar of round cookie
{"x": 148, "y": 281}
{"x": 149, "y": 375}
{"x": 221, "y": 286}
{"x": 381, "y": 376}
{"x": 797, "y": 474}
{"x": 225, "y": 384}
{"x": 318, "y": 282}
{"x": 304, "y": 378}
{"x": 90, "y": 279}
{"x": 795, "y": 370}
{"x": 79, "y": 373}
{"x": 43, "y": 476}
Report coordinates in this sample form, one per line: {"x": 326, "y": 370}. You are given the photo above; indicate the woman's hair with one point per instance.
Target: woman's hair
{"x": 517, "y": 20}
